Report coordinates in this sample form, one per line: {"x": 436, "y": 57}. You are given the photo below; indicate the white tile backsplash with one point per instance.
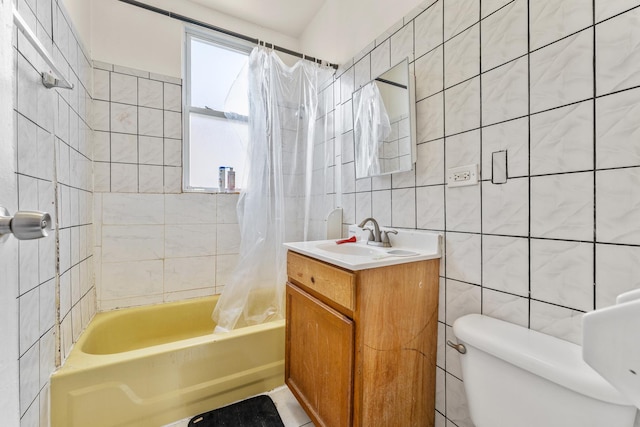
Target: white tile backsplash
{"x": 462, "y": 149}
{"x": 362, "y": 71}
{"x": 184, "y": 241}
{"x": 124, "y": 88}
{"x": 122, "y": 243}
{"x": 380, "y": 59}
{"x": 507, "y": 307}
{"x": 123, "y": 118}
{"x": 172, "y": 179}
{"x": 456, "y": 402}
{"x": 559, "y": 95}
{"x": 618, "y": 206}
{"x": 463, "y": 208}
{"x": 150, "y": 122}
{"x": 462, "y": 107}
{"x": 504, "y": 34}
{"x": 617, "y": 129}
{"x": 54, "y": 174}
{"x": 29, "y": 308}
{"x": 29, "y": 377}
{"x": 150, "y": 151}
{"x": 461, "y": 56}
{"x": 150, "y": 93}
{"x": 403, "y": 202}
{"x": 172, "y": 152}
{"x": 429, "y": 73}
{"x": 551, "y": 20}
{"x": 562, "y": 273}
{"x": 461, "y": 299}
{"x": 459, "y": 15}
{"x": 124, "y": 148}
{"x": 172, "y": 97}
{"x": 617, "y": 52}
{"x": 101, "y": 85}
{"x": 562, "y": 206}
{"x": 132, "y": 279}
{"x": 511, "y": 136}
{"x": 131, "y": 209}
{"x": 228, "y": 239}
{"x": 429, "y": 207}
{"x": 151, "y": 179}
{"x": 562, "y": 139}
{"x": 491, "y": 6}
{"x": 190, "y": 273}
{"x": 505, "y": 93}
{"x": 505, "y": 207}
{"x": 191, "y": 208}
{"x": 428, "y": 29}
{"x": 363, "y": 205}
{"x": 562, "y": 73}
{"x": 124, "y": 178}
{"x": 463, "y": 257}
{"x": 381, "y": 207}
{"x": 430, "y": 118}
{"x": 617, "y": 271}
{"x": 605, "y": 9}
{"x": 505, "y": 264}
{"x": 560, "y": 322}
{"x": 402, "y": 44}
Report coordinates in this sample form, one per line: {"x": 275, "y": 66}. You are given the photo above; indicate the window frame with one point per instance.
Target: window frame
{"x": 219, "y": 40}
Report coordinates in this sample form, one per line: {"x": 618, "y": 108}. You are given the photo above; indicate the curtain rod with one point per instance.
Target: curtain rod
{"x": 223, "y": 31}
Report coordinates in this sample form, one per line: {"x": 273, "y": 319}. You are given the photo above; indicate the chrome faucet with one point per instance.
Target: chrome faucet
{"x": 377, "y": 237}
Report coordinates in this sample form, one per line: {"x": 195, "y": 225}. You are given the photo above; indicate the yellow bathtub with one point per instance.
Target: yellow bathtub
{"x": 152, "y": 365}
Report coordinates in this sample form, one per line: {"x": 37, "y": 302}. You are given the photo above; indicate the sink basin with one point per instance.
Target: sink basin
{"x": 350, "y": 249}
{"x": 610, "y": 344}
{"x": 408, "y": 246}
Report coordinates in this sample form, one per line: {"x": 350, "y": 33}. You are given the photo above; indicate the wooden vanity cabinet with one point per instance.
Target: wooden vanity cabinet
{"x": 361, "y": 345}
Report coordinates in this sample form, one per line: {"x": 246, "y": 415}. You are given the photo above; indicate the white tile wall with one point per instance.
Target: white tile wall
{"x": 561, "y": 236}
{"x": 137, "y": 117}
{"x": 153, "y": 248}
{"x": 461, "y": 54}
{"x": 562, "y": 139}
{"x": 64, "y": 189}
{"x": 504, "y": 35}
{"x": 562, "y": 73}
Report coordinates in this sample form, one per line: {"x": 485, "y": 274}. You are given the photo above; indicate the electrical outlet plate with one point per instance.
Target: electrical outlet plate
{"x": 462, "y": 175}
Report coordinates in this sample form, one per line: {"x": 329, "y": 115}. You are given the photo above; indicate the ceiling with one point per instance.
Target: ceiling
{"x": 289, "y": 17}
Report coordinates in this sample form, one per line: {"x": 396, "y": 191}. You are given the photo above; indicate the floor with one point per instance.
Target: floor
{"x": 288, "y": 407}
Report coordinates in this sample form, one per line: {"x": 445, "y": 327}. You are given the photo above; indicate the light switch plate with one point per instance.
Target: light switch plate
{"x": 462, "y": 175}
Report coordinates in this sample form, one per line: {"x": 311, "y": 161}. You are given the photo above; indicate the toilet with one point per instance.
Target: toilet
{"x": 515, "y": 376}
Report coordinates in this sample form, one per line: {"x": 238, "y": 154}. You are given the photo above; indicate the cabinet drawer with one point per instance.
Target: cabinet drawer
{"x": 335, "y": 284}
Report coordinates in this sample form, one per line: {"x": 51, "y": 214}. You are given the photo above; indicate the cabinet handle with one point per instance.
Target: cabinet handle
{"x": 313, "y": 280}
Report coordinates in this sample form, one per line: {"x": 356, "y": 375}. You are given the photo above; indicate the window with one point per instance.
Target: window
{"x": 212, "y": 140}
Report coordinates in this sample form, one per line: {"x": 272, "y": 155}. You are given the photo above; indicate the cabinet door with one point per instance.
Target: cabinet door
{"x": 319, "y": 358}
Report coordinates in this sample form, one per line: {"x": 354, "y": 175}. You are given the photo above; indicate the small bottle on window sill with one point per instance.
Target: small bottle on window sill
{"x": 231, "y": 181}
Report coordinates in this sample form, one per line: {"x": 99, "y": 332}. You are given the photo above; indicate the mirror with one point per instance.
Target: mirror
{"x": 384, "y": 123}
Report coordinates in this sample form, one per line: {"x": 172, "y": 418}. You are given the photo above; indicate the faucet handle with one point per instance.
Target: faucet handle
{"x": 385, "y": 235}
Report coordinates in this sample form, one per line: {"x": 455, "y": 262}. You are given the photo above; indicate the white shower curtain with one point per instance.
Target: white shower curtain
{"x": 285, "y": 186}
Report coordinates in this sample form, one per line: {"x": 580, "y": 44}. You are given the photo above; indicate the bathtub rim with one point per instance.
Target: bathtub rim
{"x": 78, "y": 359}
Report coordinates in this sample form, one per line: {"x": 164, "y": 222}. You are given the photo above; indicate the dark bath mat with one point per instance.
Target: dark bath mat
{"x": 258, "y": 411}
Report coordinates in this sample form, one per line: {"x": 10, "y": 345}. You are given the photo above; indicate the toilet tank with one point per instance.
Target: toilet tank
{"x": 514, "y": 376}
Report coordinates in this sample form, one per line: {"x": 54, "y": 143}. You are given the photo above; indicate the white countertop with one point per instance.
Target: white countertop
{"x": 425, "y": 245}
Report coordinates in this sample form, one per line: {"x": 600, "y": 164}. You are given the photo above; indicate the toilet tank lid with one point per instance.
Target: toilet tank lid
{"x": 556, "y": 360}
